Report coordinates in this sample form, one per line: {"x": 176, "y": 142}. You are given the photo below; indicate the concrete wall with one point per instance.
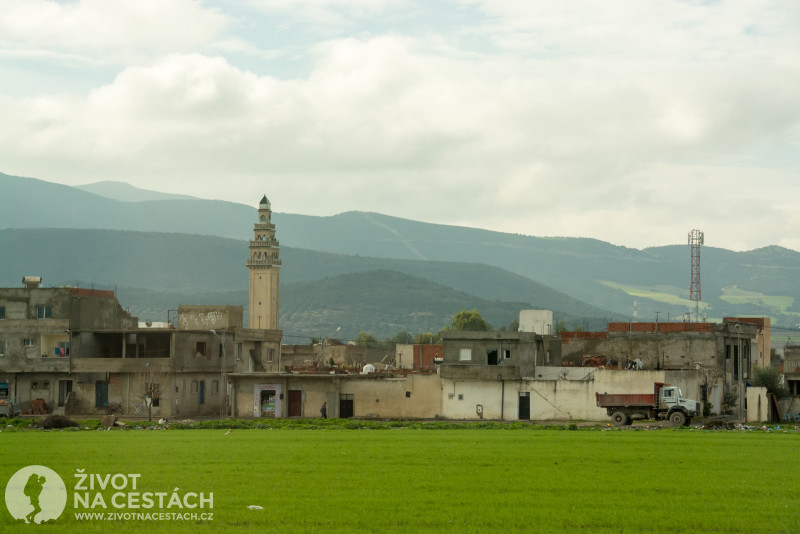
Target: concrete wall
{"x": 404, "y": 356}
{"x": 210, "y": 317}
{"x": 657, "y": 351}
{"x": 537, "y": 321}
{"x": 408, "y": 356}
{"x": 757, "y": 405}
{"x": 571, "y": 396}
{"x": 412, "y": 396}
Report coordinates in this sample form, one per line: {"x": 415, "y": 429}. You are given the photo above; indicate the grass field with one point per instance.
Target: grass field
{"x": 667, "y": 294}
{"x": 411, "y": 480}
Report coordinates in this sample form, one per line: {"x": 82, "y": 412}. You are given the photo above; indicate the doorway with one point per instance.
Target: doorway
{"x": 268, "y": 399}
{"x": 346, "y": 401}
{"x": 101, "y": 394}
{"x": 524, "y": 406}
{"x": 295, "y": 403}
{"x": 491, "y": 356}
{"x": 64, "y": 389}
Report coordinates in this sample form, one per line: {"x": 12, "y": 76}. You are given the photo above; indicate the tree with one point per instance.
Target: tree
{"x": 403, "y": 338}
{"x": 513, "y": 326}
{"x": 366, "y": 339}
{"x": 427, "y": 338}
{"x": 471, "y": 321}
{"x": 770, "y": 377}
{"x": 149, "y": 379}
{"x": 561, "y": 326}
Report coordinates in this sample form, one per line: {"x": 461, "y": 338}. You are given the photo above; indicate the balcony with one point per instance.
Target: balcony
{"x": 263, "y": 263}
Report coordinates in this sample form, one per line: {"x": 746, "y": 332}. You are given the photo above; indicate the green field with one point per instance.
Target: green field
{"x": 667, "y": 294}
{"x": 411, "y": 480}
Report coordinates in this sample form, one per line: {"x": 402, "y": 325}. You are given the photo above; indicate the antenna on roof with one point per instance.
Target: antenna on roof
{"x": 695, "y": 242}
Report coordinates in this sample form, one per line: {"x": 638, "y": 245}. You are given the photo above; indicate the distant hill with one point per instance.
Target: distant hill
{"x": 31, "y": 203}
{"x": 759, "y": 282}
{"x": 125, "y": 192}
{"x": 154, "y": 273}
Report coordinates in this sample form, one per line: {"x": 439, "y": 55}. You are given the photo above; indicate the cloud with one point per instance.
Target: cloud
{"x": 562, "y": 126}
{"x": 108, "y": 26}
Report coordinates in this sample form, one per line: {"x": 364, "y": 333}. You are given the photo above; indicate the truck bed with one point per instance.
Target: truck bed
{"x": 607, "y": 400}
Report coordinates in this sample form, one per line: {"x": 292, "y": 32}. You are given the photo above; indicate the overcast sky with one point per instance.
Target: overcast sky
{"x": 628, "y": 121}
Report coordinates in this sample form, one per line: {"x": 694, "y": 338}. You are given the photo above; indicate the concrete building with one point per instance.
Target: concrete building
{"x": 77, "y": 351}
{"x": 791, "y": 368}
{"x": 719, "y": 351}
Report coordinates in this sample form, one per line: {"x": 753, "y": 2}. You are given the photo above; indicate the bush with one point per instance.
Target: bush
{"x": 56, "y": 421}
{"x": 770, "y": 377}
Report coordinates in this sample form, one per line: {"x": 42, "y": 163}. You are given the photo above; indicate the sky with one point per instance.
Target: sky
{"x": 627, "y": 121}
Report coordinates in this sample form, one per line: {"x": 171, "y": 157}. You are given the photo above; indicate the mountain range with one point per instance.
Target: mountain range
{"x": 334, "y": 268}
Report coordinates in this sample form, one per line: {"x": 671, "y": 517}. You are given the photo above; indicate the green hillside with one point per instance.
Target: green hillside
{"x": 602, "y": 275}
{"x": 317, "y": 288}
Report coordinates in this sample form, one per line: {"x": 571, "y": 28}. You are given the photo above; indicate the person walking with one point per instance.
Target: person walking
{"x": 323, "y": 411}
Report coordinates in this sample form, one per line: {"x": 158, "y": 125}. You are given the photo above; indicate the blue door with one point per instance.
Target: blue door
{"x": 101, "y": 394}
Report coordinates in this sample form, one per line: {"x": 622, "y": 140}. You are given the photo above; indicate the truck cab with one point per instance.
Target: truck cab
{"x": 7, "y": 407}
{"x": 671, "y": 401}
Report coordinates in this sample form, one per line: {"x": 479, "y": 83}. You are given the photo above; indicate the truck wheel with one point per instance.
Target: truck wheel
{"x": 619, "y": 418}
{"x": 677, "y": 419}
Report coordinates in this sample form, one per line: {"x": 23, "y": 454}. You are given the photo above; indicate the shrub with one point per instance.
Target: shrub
{"x": 770, "y": 377}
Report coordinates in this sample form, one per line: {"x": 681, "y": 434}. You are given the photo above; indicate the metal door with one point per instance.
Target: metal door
{"x": 524, "y": 406}
{"x": 295, "y": 403}
{"x": 346, "y": 405}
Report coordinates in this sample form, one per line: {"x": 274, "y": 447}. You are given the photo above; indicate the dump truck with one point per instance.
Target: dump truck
{"x": 666, "y": 402}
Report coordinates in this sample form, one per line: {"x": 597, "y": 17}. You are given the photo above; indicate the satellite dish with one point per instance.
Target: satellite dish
{"x": 149, "y": 323}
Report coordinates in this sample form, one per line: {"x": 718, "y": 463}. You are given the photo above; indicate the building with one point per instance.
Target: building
{"x": 718, "y": 351}
{"x": 76, "y": 351}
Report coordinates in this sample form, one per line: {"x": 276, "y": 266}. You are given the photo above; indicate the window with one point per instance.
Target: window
{"x": 2, "y": 348}
{"x": 200, "y": 349}
{"x": 62, "y": 349}
{"x": 155, "y": 393}
{"x": 28, "y": 342}
{"x": 465, "y": 355}
{"x": 408, "y": 394}
{"x": 215, "y": 386}
{"x": 44, "y": 312}
{"x": 507, "y": 353}
{"x": 40, "y": 384}
{"x": 270, "y": 354}
{"x": 2, "y": 312}
{"x": 548, "y": 357}
{"x": 238, "y": 351}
